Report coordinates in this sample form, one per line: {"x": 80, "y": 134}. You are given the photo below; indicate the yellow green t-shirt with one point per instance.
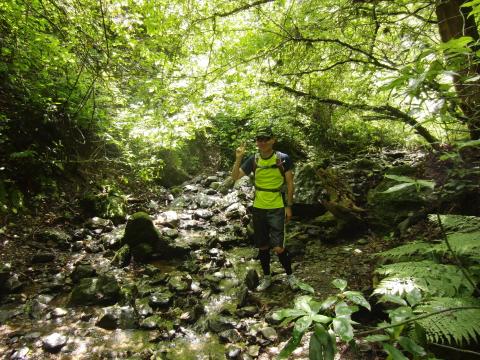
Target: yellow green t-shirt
{"x": 267, "y": 176}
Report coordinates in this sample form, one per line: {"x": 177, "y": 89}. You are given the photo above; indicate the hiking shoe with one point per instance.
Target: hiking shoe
{"x": 292, "y": 282}
{"x": 265, "y": 283}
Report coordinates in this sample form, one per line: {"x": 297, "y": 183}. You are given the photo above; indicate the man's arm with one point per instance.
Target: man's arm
{"x": 290, "y": 191}
{"x": 290, "y": 187}
{"x": 237, "y": 171}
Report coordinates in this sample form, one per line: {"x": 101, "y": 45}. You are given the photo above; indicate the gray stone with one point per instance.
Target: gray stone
{"x": 118, "y": 317}
{"x": 53, "y": 343}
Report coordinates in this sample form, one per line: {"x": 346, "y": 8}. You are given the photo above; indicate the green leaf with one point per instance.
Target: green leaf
{"x": 393, "y": 299}
{"x": 343, "y": 328}
{"x": 397, "y": 188}
{"x": 393, "y": 353}
{"x": 465, "y": 144}
{"x": 329, "y": 302}
{"x": 400, "y": 314}
{"x": 321, "y": 319}
{"x": 284, "y": 313}
{"x": 303, "y": 303}
{"x": 340, "y": 284}
{"x": 458, "y": 45}
{"x": 302, "y": 324}
{"x": 409, "y": 345}
{"x": 322, "y": 345}
{"x": 291, "y": 345}
{"x": 376, "y": 338}
{"x": 342, "y": 309}
{"x": 357, "y": 298}
{"x": 414, "y": 296}
{"x": 305, "y": 287}
{"x": 400, "y": 178}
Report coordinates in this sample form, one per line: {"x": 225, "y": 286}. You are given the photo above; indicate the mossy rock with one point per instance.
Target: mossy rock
{"x": 142, "y": 236}
{"x": 140, "y": 229}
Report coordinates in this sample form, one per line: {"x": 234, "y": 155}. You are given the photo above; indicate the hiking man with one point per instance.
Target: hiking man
{"x": 271, "y": 170}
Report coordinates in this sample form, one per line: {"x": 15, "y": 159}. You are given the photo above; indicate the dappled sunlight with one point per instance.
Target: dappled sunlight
{"x": 398, "y": 286}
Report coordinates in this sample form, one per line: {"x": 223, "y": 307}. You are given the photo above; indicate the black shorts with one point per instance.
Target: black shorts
{"x": 269, "y": 227}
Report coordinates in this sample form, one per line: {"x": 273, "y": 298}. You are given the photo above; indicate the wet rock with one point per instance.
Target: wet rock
{"x": 21, "y": 354}
{"x": 235, "y": 211}
{"x": 168, "y": 218}
{"x": 13, "y": 284}
{"x": 59, "y": 312}
{"x": 142, "y": 236}
{"x": 143, "y": 307}
{"x": 179, "y": 282}
{"x": 103, "y": 290}
{"x": 82, "y": 270}
{"x": 203, "y": 214}
{"x": 220, "y": 324}
{"x": 169, "y": 232}
{"x": 156, "y": 322}
{"x": 269, "y": 333}
{"x": 161, "y": 299}
{"x": 210, "y": 179}
{"x": 251, "y": 279}
{"x": 247, "y": 311}
{"x": 43, "y": 257}
{"x": 99, "y": 223}
{"x": 230, "y": 336}
{"x": 113, "y": 239}
{"x": 118, "y": 317}
{"x": 53, "y": 343}
{"x": 191, "y": 188}
{"x": 56, "y": 237}
{"x": 8, "y": 314}
{"x": 233, "y": 353}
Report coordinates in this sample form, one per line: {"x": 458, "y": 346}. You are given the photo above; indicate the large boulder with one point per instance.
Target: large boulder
{"x": 142, "y": 237}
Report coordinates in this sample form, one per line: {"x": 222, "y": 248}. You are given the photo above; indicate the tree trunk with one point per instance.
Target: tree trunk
{"x": 454, "y": 22}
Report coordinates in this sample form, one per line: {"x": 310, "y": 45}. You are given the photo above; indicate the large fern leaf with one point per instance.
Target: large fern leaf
{"x": 453, "y": 327}
{"x": 416, "y": 249}
{"x": 466, "y": 245}
{"x": 429, "y": 277}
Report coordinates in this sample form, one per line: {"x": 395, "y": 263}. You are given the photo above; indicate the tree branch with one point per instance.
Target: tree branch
{"x": 373, "y": 59}
{"x": 237, "y": 10}
{"x": 388, "y": 110}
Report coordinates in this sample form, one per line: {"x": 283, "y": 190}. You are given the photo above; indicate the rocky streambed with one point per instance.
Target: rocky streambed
{"x": 69, "y": 293}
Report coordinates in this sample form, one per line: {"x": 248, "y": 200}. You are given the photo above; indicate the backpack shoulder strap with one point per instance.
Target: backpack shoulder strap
{"x": 255, "y": 162}
{"x": 280, "y": 163}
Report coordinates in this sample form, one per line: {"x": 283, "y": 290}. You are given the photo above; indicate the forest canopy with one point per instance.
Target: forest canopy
{"x": 131, "y": 81}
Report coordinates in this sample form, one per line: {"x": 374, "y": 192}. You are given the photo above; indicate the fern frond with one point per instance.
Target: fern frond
{"x": 466, "y": 245}
{"x": 427, "y": 276}
{"x": 455, "y": 223}
{"x": 414, "y": 249}
{"x": 453, "y": 327}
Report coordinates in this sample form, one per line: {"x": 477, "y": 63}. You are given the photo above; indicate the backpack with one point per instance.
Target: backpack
{"x": 278, "y": 164}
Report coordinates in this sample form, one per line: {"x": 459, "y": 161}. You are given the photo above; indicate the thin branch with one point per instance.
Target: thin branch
{"x": 373, "y": 59}
{"x": 416, "y": 318}
{"x": 385, "y": 109}
{"x": 306, "y": 72}
{"x": 470, "y": 352}
{"x": 236, "y": 10}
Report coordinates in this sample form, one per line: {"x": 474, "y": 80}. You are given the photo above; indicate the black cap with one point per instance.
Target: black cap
{"x": 264, "y": 131}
